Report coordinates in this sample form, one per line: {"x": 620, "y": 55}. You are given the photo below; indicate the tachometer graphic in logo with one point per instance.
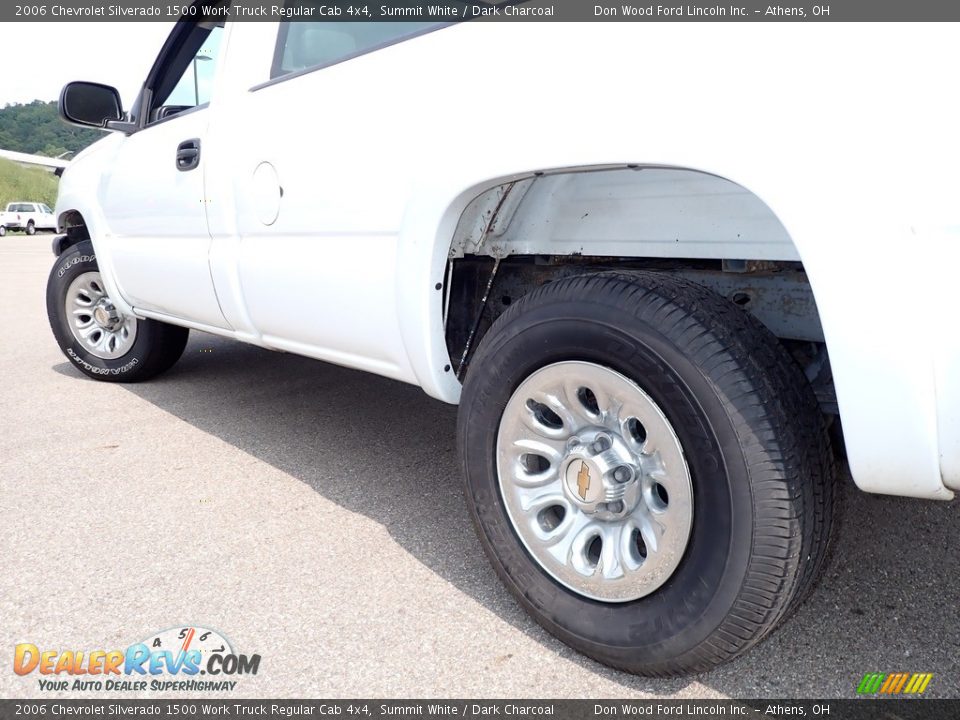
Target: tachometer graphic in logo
{"x": 179, "y": 640}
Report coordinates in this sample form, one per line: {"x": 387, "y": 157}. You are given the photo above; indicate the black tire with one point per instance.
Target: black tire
{"x": 3, "y": 230}
{"x": 754, "y": 439}
{"x": 155, "y": 349}
{"x": 31, "y": 228}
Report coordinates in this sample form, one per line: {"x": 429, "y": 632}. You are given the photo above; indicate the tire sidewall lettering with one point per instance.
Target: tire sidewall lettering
{"x": 129, "y": 365}
{"x": 61, "y": 271}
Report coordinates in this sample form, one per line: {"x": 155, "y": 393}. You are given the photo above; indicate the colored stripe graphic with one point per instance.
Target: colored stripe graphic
{"x": 870, "y": 683}
{"x": 889, "y": 683}
{"x": 927, "y": 677}
{"x": 894, "y": 683}
{"x": 900, "y": 683}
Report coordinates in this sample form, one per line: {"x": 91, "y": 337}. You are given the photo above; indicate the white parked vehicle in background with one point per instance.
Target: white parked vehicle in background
{"x": 27, "y": 216}
{"x": 655, "y": 280}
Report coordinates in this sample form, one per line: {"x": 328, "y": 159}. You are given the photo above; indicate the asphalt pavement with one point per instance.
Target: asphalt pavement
{"x": 313, "y": 515}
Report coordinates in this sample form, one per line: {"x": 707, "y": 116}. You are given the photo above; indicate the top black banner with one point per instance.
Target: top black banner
{"x": 446, "y": 11}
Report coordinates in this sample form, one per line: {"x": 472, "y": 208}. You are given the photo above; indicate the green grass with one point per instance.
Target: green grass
{"x": 26, "y": 184}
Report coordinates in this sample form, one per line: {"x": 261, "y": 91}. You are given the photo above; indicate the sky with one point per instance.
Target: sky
{"x": 38, "y": 59}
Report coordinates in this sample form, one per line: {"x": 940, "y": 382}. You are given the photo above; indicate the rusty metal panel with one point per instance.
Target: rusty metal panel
{"x": 783, "y": 302}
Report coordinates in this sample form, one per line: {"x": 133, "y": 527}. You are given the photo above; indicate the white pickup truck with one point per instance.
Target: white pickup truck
{"x": 27, "y": 216}
{"x": 655, "y": 265}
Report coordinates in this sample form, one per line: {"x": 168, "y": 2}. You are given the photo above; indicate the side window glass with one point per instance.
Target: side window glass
{"x": 184, "y": 78}
{"x": 196, "y": 80}
{"x": 303, "y": 45}
{"x": 45, "y": 209}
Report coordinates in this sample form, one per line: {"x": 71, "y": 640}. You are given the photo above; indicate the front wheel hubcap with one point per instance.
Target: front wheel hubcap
{"x": 95, "y": 322}
{"x": 594, "y": 481}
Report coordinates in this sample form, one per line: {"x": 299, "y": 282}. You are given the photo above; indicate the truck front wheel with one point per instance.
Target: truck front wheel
{"x": 100, "y": 341}
{"x": 647, "y": 469}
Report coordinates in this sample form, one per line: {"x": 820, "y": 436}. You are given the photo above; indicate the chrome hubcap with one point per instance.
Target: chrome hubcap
{"x": 594, "y": 481}
{"x": 94, "y": 320}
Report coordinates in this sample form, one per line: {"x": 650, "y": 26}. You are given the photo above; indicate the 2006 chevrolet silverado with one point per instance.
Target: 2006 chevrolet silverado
{"x": 665, "y": 270}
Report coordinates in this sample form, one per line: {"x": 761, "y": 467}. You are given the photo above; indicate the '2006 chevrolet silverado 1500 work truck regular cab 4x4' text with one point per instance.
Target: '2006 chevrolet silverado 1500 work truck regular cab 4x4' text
{"x": 657, "y": 266}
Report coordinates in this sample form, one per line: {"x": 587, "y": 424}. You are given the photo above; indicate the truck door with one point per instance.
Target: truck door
{"x": 154, "y": 198}
{"x": 313, "y": 241}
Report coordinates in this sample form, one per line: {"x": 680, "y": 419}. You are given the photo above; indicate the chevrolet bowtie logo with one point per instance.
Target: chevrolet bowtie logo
{"x": 583, "y": 480}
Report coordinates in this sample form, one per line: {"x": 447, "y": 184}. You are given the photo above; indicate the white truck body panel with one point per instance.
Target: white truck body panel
{"x": 161, "y": 243}
{"x": 378, "y": 157}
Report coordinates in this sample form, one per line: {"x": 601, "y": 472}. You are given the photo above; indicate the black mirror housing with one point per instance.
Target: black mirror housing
{"x": 90, "y": 104}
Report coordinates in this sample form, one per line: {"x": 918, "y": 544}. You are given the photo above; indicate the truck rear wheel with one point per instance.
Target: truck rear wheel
{"x": 100, "y": 341}
{"x": 31, "y": 228}
{"x": 647, "y": 468}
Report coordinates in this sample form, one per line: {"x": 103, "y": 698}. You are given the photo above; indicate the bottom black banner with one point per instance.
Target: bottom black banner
{"x": 918, "y": 709}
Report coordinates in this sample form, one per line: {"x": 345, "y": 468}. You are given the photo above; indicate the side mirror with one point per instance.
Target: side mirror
{"x": 90, "y": 104}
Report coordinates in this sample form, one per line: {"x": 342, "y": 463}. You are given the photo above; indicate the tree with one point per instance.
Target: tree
{"x": 36, "y": 128}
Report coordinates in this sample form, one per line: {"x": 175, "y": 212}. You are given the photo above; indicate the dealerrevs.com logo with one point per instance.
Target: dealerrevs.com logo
{"x": 178, "y": 659}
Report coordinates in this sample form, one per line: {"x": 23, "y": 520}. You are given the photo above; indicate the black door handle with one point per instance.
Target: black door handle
{"x": 188, "y": 154}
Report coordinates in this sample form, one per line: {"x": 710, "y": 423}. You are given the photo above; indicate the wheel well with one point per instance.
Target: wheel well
{"x": 522, "y": 234}
{"x": 74, "y": 228}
